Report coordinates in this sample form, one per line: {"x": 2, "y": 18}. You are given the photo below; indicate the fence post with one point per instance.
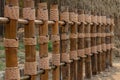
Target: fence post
{"x": 99, "y": 43}
{"x": 93, "y": 43}
{"x": 88, "y": 70}
{"x": 103, "y": 41}
{"x": 54, "y": 15}
{"x": 65, "y": 56}
{"x": 108, "y": 42}
{"x": 111, "y": 40}
{"x": 30, "y": 40}
{"x": 81, "y": 46}
{"x": 11, "y": 41}
{"x": 42, "y": 14}
{"x": 73, "y": 44}
{"x": 2, "y": 3}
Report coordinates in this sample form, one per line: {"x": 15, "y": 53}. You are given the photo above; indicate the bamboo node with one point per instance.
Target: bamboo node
{"x": 73, "y": 55}
{"x": 104, "y": 47}
{"x": 93, "y": 35}
{"x": 108, "y": 34}
{"x": 81, "y": 18}
{"x": 108, "y": 21}
{"x": 94, "y": 19}
{"x": 30, "y": 68}
{"x": 12, "y": 73}
{"x": 43, "y": 39}
{"x": 112, "y": 34}
{"x": 81, "y": 35}
{"x": 99, "y": 19}
{"x": 29, "y": 13}
{"x": 112, "y": 45}
{"x": 11, "y": 12}
{"x": 99, "y": 48}
{"x": 87, "y": 35}
{"x": 64, "y": 16}
{"x": 73, "y": 17}
{"x": 42, "y": 14}
{"x": 54, "y": 14}
{"x": 103, "y": 34}
{"x": 73, "y": 35}
{"x": 44, "y": 63}
{"x": 100, "y": 35}
{"x": 88, "y": 50}
{"x": 104, "y": 19}
{"x": 81, "y": 53}
{"x": 65, "y": 57}
{"x": 56, "y": 59}
{"x": 55, "y": 38}
{"x": 11, "y": 42}
{"x": 112, "y": 22}
{"x": 29, "y": 41}
{"x": 108, "y": 46}
{"x": 64, "y": 36}
{"x": 88, "y": 18}
{"x": 93, "y": 49}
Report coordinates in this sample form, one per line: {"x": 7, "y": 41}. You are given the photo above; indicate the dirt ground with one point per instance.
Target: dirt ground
{"x": 111, "y": 73}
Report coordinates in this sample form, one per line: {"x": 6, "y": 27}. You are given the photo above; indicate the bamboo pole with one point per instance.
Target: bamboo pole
{"x": 107, "y": 43}
{"x": 73, "y": 46}
{"x": 93, "y": 44}
{"x": 88, "y": 68}
{"x": 30, "y": 51}
{"x": 56, "y": 43}
{"x": 99, "y": 49}
{"x": 43, "y": 32}
{"x": 81, "y": 46}
{"x": 103, "y": 43}
{"x": 11, "y": 51}
{"x": 65, "y": 56}
{"x": 111, "y": 40}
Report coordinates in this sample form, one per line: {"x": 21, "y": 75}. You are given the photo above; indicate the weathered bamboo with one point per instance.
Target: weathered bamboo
{"x": 73, "y": 45}
{"x": 30, "y": 50}
{"x": 43, "y": 32}
{"x": 88, "y": 68}
{"x": 64, "y": 30}
{"x": 103, "y": 43}
{"x": 37, "y": 22}
{"x": 93, "y": 44}
{"x": 11, "y": 50}
{"x": 107, "y": 43}
{"x": 111, "y": 40}
{"x": 98, "y": 40}
{"x": 81, "y": 46}
{"x": 56, "y": 43}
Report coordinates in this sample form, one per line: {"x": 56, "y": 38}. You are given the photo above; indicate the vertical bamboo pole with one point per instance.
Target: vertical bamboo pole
{"x": 103, "y": 42}
{"x": 88, "y": 70}
{"x": 2, "y": 3}
{"x": 81, "y": 46}
{"x": 29, "y": 40}
{"x": 73, "y": 44}
{"x": 11, "y": 71}
{"x": 111, "y": 40}
{"x": 93, "y": 44}
{"x": 42, "y": 14}
{"x": 99, "y": 43}
{"x": 55, "y": 39}
{"x": 108, "y": 42}
{"x": 65, "y": 56}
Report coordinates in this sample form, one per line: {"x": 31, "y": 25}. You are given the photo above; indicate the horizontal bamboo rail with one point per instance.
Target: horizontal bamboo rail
{"x": 37, "y": 22}
{"x": 42, "y": 71}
